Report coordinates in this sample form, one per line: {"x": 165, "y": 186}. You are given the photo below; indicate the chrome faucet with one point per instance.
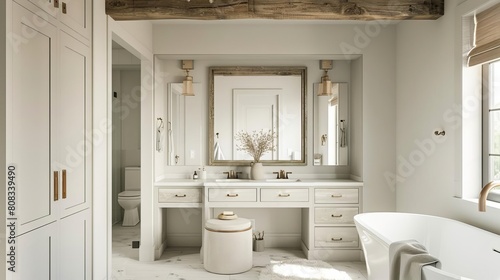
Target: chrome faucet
{"x": 484, "y": 194}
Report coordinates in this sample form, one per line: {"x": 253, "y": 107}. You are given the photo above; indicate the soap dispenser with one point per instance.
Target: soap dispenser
{"x": 195, "y": 175}
{"x": 203, "y": 173}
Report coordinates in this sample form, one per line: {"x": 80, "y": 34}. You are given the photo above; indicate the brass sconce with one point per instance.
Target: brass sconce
{"x": 187, "y": 84}
{"x": 325, "y": 87}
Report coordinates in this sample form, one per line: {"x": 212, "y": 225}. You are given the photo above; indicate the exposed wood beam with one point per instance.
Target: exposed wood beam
{"x": 275, "y": 9}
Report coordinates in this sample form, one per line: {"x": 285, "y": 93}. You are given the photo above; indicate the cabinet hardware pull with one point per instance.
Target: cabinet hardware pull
{"x": 184, "y": 195}
{"x": 56, "y": 3}
{"x": 337, "y": 239}
{"x": 64, "y": 11}
{"x": 64, "y": 183}
{"x": 336, "y": 195}
{"x": 284, "y": 195}
{"x": 336, "y": 216}
{"x": 56, "y": 185}
{"x": 232, "y": 195}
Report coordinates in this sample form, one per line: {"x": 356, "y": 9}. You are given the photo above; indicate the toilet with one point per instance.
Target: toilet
{"x": 130, "y": 199}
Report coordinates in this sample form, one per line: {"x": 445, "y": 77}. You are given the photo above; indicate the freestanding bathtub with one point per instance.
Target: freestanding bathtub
{"x": 465, "y": 252}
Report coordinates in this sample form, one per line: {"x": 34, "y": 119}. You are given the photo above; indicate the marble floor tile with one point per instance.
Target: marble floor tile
{"x": 184, "y": 263}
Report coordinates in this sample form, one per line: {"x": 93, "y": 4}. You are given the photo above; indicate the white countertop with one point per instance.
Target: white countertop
{"x": 258, "y": 183}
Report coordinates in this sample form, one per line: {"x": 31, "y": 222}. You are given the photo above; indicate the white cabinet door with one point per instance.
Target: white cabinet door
{"x": 36, "y": 254}
{"x": 49, "y": 6}
{"x": 33, "y": 63}
{"x": 76, "y": 15}
{"x": 47, "y": 127}
{"x": 74, "y": 244}
{"x": 73, "y": 118}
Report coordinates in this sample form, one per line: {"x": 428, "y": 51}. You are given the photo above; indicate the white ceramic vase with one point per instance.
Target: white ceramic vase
{"x": 257, "y": 171}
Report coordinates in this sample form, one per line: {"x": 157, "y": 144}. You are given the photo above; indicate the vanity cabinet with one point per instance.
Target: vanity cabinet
{"x": 327, "y": 210}
{"x": 335, "y": 215}
{"x": 283, "y": 195}
{"x": 232, "y": 195}
{"x": 334, "y": 228}
{"x": 185, "y": 196}
{"x": 181, "y": 195}
{"x": 336, "y": 196}
{"x": 49, "y": 124}
{"x": 336, "y": 237}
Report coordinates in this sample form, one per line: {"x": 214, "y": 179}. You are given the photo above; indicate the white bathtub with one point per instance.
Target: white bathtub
{"x": 465, "y": 252}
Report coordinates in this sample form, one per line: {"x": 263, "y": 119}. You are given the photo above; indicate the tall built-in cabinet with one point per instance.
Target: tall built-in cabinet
{"x": 49, "y": 137}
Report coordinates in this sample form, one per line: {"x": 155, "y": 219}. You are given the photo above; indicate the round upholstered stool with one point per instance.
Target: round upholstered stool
{"x": 227, "y": 246}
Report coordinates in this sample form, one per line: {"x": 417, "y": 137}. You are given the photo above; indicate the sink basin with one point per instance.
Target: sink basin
{"x": 231, "y": 180}
{"x": 282, "y": 180}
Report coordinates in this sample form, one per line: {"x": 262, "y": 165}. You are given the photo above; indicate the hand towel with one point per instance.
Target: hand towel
{"x": 218, "y": 155}
{"x": 406, "y": 259}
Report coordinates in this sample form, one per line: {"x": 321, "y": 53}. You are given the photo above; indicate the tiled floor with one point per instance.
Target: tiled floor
{"x": 184, "y": 263}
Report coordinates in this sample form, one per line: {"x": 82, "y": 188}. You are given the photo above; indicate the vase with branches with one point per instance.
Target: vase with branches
{"x": 256, "y": 144}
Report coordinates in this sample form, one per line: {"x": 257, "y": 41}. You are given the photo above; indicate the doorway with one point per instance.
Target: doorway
{"x": 126, "y": 144}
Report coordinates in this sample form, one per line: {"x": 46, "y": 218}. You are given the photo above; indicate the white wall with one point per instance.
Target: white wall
{"x": 126, "y": 129}
{"x": 130, "y": 96}
{"x": 426, "y": 91}
{"x": 116, "y": 147}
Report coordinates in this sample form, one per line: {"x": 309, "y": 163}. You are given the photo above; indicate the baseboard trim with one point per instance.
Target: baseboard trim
{"x": 183, "y": 240}
{"x": 159, "y": 250}
{"x": 282, "y": 240}
{"x": 274, "y": 240}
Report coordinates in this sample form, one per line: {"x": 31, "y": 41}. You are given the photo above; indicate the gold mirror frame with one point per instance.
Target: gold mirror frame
{"x": 256, "y": 71}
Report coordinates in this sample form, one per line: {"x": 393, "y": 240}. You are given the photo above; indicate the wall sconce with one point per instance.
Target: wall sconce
{"x": 325, "y": 87}
{"x": 187, "y": 84}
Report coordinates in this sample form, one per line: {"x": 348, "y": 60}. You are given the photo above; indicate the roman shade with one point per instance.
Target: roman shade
{"x": 487, "y": 37}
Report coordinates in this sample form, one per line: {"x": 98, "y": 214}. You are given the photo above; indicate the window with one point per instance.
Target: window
{"x": 491, "y": 125}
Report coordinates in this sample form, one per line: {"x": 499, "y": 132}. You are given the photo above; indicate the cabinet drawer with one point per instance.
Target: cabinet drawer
{"x": 336, "y": 237}
{"x": 278, "y": 195}
{"x": 336, "y": 196}
{"x": 223, "y": 194}
{"x": 335, "y": 215}
{"x": 179, "y": 195}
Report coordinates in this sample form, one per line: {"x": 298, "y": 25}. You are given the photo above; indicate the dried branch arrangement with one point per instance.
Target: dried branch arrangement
{"x": 256, "y": 144}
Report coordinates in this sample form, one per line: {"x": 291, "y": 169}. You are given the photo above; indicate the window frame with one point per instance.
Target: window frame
{"x": 487, "y": 84}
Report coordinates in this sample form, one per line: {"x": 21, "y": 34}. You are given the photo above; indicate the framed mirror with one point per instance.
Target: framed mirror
{"x": 254, "y": 99}
{"x": 331, "y": 141}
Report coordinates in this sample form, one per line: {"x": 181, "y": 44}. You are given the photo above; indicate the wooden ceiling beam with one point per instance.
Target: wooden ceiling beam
{"x": 275, "y": 9}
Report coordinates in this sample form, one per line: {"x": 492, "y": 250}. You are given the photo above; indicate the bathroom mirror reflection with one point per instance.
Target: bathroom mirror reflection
{"x": 331, "y": 126}
{"x": 253, "y": 99}
{"x": 181, "y": 131}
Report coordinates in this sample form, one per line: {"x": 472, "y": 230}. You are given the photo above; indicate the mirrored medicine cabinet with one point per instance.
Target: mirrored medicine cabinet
{"x": 331, "y": 126}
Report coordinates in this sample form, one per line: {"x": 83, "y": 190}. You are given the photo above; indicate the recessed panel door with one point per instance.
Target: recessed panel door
{"x": 33, "y": 62}
{"x": 74, "y": 148}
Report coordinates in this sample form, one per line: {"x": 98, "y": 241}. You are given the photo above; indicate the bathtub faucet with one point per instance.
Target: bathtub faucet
{"x": 484, "y": 194}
